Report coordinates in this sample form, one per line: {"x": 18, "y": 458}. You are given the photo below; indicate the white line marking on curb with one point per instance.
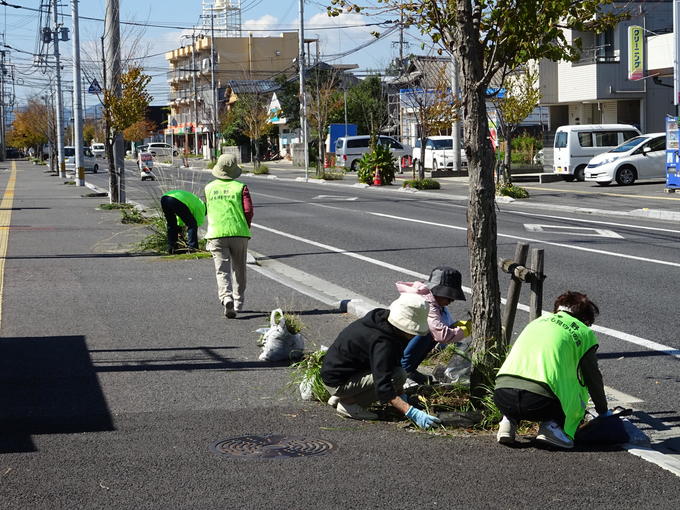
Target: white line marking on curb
{"x": 662, "y": 460}
{"x": 571, "y": 230}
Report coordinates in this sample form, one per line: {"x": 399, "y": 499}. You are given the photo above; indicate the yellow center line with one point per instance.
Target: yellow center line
{"x": 5, "y": 219}
{"x": 602, "y": 193}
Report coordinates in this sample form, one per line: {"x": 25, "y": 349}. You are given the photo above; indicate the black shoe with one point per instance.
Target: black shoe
{"x": 229, "y": 311}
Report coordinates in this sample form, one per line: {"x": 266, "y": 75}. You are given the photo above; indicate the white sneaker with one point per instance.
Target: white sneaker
{"x": 551, "y": 433}
{"x": 506, "y": 431}
{"x": 333, "y": 401}
{"x": 355, "y": 412}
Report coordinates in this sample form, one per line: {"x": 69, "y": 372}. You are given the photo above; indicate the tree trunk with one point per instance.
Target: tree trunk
{"x": 507, "y": 161}
{"x": 113, "y": 175}
{"x": 421, "y": 167}
{"x": 256, "y": 159}
{"x": 481, "y": 232}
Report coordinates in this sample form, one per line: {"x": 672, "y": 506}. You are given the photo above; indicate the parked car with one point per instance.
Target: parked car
{"x": 13, "y": 153}
{"x": 642, "y": 157}
{"x": 98, "y": 149}
{"x": 90, "y": 162}
{"x": 576, "y": 145}
{"x": 350, "y": 149}
{"x": 438, "y": 153}
{"x": 162, "y": 149}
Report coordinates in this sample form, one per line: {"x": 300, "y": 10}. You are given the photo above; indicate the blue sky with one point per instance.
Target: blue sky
{"x": 20, "y": 27}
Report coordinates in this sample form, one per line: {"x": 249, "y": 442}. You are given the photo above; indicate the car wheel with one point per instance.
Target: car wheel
{"x": 95, "y": 169}
{"x": 626, "y": 175}
{"x": 579, "y": 173}
{"x": 175, "y": 153}
{"x": 153, "y": 154}
{"x": 354, "y": 166}
{"x": 568, "y": 178}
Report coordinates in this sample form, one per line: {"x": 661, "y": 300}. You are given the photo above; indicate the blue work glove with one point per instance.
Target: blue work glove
{"x": 421, "y": 418}
{"x": 608, "y": 412}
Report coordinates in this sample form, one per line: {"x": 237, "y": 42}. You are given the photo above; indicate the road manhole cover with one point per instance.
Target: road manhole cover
{"x": 271, "y": 447}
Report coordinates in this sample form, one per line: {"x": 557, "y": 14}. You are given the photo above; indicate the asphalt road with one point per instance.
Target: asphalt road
{"x": 118, "y": 373}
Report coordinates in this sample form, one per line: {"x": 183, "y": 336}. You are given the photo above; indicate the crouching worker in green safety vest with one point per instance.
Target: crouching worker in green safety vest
{"x": 549, "y": 372}
{"x": 182, "y": 208}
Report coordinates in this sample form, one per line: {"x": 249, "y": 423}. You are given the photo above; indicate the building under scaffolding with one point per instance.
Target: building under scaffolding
{"x": 223, "y": 17}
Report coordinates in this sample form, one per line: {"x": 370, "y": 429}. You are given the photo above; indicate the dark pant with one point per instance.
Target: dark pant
{"x": 526, "y": 405}
{"x": 416, "y": 351}
{"x": 172, "y": 209}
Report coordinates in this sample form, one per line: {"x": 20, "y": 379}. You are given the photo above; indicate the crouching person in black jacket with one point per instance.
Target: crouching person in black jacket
{"x": 364, "y": 363}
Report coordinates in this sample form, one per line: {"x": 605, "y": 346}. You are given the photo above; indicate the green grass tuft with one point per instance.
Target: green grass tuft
{"x": 512, "y": 191}
{"x": 421, "y": 184}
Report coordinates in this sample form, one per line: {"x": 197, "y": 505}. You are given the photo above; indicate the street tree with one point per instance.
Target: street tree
{"x": 253, "y": 108}
{"x": 325, "y": 101}
{"x": 367, "y": 106}
{"x": 516, "y": 99}
{"x": 29, "y": 128}
{"x": 121, "y": 112}
{"x": 489, "y": 39}
{"x": 433, "y": 108}
{"x": 139, "y": 130}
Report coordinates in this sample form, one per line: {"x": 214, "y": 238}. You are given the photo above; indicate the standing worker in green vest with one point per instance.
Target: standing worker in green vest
{"x": 182, "y": 208}
{"x": 230, "y": 212}
{"x": 549, "y": 372}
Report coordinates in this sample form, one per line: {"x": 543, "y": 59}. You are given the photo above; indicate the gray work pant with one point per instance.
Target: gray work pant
{"x": 362, "y": 388}
{"x": 229, "y": 255}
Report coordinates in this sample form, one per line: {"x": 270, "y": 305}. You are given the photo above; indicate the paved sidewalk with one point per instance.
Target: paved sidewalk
{"x": 118, "y": 374}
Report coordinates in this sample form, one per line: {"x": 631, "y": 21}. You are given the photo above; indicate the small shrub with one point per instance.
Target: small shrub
{"x": 330, "y": 175}
{"x": 379, "y": 158}
{"x": 133, "y": 215}
{"x": 115, "y": 205}
{"x": 426, "y": 183}
{"x": 260, "y": 170}
{"x": 510, "y": 190}
{"x": 157, "y": 240}
{"x": 70, "y": 183}
{"x": 210, "y": 164}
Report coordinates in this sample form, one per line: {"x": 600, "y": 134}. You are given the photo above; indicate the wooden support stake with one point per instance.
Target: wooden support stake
{"x": 536, "y": 300}
{"x": 514, "y": 289}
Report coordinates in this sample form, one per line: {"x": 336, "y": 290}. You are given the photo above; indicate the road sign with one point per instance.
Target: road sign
{"x": 94, "y": 87}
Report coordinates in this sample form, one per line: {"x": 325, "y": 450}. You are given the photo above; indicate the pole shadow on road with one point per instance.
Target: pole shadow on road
{"x": 48, "y": 385}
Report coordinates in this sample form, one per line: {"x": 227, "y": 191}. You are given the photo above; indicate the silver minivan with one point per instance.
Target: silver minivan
{"x": 350, "y": 149}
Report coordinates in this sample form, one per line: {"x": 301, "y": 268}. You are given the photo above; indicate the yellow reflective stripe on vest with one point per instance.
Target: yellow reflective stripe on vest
{"x": 549, "y": 350}
{"x": 226, "y": 218}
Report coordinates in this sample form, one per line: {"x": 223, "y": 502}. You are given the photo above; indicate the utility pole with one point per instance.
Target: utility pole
{"x": 193, "y": 80}
{"x": 3, "y": 144}
{"x": 676, "y": 56}
{"x": 77, "y": 106}
{"x": 60, "y": 106}
{"x": 455, "y": 126}
{"x": 112, "y": 35}
{"x": 303, "y": 97}
{"x": 212, "y": 86}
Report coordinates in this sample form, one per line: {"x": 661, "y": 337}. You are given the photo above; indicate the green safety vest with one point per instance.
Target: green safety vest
{"x": 195, "y": 205}
{"x": 549, "y": 351}
{"x": 226, "y": 218}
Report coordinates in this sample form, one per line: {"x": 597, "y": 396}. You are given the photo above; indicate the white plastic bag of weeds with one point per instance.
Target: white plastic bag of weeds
{"x": 278, "y": 343}
{"x": 307, "y": 384}
{"x": 459, "y": 368}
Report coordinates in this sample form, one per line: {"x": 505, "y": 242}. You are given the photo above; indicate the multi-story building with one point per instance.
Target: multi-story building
{"x": 596, "y": 89}
{"x": 194, "y": 108}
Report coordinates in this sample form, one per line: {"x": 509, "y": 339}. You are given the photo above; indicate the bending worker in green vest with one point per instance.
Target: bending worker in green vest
{"x": 230, "y": 212}
{"x": 182, "y": 208}
{"x": 549, "y": 372}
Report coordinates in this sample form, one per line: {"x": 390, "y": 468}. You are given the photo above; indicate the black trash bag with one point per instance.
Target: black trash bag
{"x": 605, "y": 430}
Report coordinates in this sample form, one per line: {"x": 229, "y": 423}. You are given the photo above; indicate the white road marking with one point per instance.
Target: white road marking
{"x": 571, "y": 230}
{"x": 626, "y": 337}
{"x": 335, "y": 197}
{"x": 519, "y": 238}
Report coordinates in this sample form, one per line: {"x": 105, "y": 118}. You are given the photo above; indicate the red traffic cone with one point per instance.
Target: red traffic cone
{"x": 377, "y": 181}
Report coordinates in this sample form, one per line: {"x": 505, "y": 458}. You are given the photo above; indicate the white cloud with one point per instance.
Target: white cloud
{"x": 266, "y": 22}
{"x": 351, "y": 32}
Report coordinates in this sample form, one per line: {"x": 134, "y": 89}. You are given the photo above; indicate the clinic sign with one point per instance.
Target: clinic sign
{"x": 635, "y": 52}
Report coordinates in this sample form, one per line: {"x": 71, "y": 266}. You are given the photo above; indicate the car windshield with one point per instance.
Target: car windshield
{"x": 630, "y": 144}
{"x": 447, "y": 143}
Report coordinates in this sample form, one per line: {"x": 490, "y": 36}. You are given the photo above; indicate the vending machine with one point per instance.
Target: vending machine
{"x": 672, "y": 154}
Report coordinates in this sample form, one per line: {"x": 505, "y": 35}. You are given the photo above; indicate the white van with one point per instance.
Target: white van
{"x": 349, "y": 149}
{"x": 438, "y": 153}
{"x": 576, "y": 145}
